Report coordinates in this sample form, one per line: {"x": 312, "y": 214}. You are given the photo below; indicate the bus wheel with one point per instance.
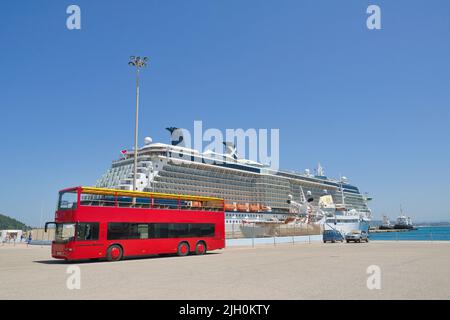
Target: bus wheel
{"x": 183, "y": 249}
{"x": 200, "y": 248}
{"x": 114, "y": 253}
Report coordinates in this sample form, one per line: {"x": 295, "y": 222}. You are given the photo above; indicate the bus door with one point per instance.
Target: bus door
{"x": 87, "y": 240}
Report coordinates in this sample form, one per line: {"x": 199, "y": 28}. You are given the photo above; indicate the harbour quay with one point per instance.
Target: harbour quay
{"x": 374, "y": 270}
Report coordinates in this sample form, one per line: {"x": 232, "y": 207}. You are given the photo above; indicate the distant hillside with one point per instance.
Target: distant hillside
{"x": 10, "y": 223}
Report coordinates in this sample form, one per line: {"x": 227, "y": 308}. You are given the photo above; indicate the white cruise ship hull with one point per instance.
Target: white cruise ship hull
{"x": 347, "y": 224}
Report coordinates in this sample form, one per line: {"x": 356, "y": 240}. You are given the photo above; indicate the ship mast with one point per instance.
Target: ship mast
{"x": 342, "y": 191}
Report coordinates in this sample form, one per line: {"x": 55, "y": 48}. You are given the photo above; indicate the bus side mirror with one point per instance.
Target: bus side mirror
{"x": 46, "y": 225}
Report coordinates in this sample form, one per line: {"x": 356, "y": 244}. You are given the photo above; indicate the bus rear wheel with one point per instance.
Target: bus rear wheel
{"x": 114, "y": 253}
{"x": 183, "y": 249}
{"x": 200, "y": 248}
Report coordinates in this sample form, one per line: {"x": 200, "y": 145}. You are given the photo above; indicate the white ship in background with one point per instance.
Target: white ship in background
{"x": 403, "y": 222}
{"x": 333, "y": 216}
{"x": 253, "y": 192}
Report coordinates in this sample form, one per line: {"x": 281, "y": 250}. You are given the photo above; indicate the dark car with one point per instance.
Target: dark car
{"x": 332, "y": 236}
{"x": 357, "y": 236}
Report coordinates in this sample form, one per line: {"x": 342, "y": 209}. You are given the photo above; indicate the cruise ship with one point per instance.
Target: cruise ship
{"x": 252, "y": 191}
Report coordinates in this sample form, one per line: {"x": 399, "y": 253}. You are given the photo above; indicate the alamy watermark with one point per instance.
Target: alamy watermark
{"x": 73, "y": 21}
{"x": 373, "y": 22}
{"x": 254, "y": 145}
{"x": 73, "y": 282}
{"x": 374, "y": 280}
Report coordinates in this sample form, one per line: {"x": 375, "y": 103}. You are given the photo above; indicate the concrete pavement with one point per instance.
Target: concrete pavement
{"x": 409, "y": 270}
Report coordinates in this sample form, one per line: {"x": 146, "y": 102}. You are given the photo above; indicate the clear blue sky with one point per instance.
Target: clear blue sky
{"x": 371, "y": 105}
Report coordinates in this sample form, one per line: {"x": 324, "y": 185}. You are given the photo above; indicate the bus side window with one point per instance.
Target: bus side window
{"x": 87, "y": 231}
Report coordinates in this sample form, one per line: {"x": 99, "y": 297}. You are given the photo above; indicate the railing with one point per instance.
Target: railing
{"x": 421, "y": 234}
{"x": 151, "y": 203}
{"x": 273, "y": 232}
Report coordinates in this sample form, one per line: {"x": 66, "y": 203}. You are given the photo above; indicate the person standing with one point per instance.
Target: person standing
{"x": 29, "y": 239}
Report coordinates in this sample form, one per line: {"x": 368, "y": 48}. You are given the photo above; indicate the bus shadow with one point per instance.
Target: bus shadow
{"x": 149, "y": 257}
{"x": 51, "y": 262}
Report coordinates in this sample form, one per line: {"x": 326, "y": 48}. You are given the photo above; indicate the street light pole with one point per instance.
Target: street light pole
{"x": 136, "y": 129}
{"x": 139, "y": 63}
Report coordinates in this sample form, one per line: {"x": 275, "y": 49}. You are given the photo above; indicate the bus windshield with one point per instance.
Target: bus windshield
{"x": 64, "y": 232}
{"x": 68, "y": 200}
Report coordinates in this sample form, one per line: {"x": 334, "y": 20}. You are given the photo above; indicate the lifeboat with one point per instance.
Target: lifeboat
{"x": 255, "y": 207}
{"x": 290, "y": 220}
{"x": 243, "y": 207}
{"x": 230, "y": 206}
{"x": 196, "y": 204}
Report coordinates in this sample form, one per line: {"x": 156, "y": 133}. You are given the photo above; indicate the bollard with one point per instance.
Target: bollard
{"x": 253, "y": 236}
{"x": 293, "y": 236}
{"x": 232, "y": 230}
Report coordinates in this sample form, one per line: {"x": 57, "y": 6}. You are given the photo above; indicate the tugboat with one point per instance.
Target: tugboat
{"x": 386, "y": 225}
{"x": 403, "y": 222}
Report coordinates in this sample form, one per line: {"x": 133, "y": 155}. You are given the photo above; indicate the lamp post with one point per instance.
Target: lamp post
{"x": 139, "y": 63}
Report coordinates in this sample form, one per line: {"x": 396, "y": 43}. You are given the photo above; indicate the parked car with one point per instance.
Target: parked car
{"x": 357, "y": 236}
{"x": 332, "y": 236}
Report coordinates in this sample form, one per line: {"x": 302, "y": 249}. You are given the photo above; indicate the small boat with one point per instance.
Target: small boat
{"x": 386, "y": 225}
{"x": 403, "y": 222}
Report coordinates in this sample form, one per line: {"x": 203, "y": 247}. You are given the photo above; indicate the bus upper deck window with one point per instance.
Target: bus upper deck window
{"x": 67, "y": 200}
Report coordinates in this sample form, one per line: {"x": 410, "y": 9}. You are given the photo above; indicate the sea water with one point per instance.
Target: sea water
{"x": 422, "y": 234}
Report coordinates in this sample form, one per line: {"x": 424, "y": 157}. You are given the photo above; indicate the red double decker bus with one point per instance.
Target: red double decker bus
{"x": 96, "y": 223}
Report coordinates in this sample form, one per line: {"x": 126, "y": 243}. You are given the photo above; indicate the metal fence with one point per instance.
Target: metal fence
{"x": 247, "y": 234}
{"x": 40, "y": 234}
{"x": 425, "y": 234}
{"x": 253, "y": 234}
{"x": 269, "y": 230}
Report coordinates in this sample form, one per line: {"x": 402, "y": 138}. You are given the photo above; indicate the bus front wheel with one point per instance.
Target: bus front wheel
{"x": 183, "y": 249}
{"x": 200, "y": 248}
{"x": 114, "y": 253}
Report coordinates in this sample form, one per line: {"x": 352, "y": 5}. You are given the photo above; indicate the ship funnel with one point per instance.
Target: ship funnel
{"x": 231, "y": 149}
{"x": 177, "y": 137}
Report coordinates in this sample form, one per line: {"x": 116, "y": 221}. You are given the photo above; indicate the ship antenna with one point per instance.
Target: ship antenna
{"x": 342, "y": 191}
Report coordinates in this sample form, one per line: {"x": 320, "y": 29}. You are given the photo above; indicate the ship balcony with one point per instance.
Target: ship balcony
{"x": 125, "y": 187}
{"x": 144, "y": 164}
{"x": 138, "y": 176}
{"x": 126, "y": 182}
